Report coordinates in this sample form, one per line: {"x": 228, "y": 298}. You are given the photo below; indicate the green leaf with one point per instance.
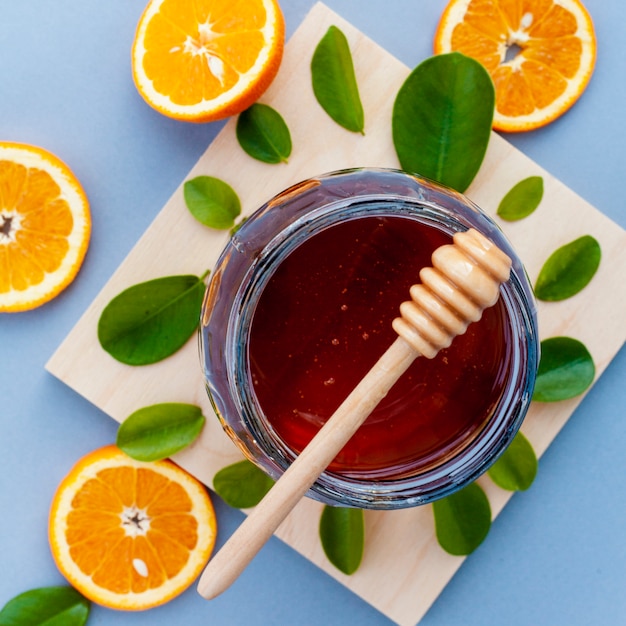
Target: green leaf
{"x": 237, "y": 226}
{"x": 242, "y": 485}
{"x": 160, "y": 430}
{"x": 566, "y": 369}
{"x": 516, "y": 469}
{"x": 442, "y": 118}
{"x": 569, "y": 269}
{"x": 462, "y": 520}
{"x": 212, "y": 202}
{"x": 342, "y": 533}
{"x": 49, "y": 606}
{"x": 263, "y": 134}
{"x": 150, "y": 321}
{"x": 522, "y": 199}
{"x": 334, "y": 81}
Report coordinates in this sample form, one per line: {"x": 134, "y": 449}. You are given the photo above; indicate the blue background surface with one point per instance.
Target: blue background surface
{"x": 557, "y": 553}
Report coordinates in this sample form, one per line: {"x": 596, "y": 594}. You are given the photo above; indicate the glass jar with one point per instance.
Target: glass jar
{"x": 441, "y": 430}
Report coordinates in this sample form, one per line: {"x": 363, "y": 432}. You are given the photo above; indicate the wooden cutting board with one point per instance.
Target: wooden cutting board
{"x": 401, "y": 542}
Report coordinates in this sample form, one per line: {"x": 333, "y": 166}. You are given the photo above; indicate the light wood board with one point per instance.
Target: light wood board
{"x": 401, "y": 543}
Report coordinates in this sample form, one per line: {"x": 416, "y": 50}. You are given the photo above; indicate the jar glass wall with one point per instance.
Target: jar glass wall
{"x": 451, "y": 420}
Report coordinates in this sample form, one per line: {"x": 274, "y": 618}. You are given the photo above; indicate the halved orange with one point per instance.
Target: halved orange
{"x": 540, "y": 54}
{"x": 204, "y": 60}
{"x": 45, "y": 226}
{"x": 128, "y": 534}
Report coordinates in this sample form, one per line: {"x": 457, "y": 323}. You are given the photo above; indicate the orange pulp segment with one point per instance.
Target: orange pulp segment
{"x": 540, "y": 54}
{"x": 45, "y": 226}
{"x": 204, "y": 60}
{"x": 128, "y": 534}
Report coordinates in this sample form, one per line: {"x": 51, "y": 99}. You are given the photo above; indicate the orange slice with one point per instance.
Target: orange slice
{"x": 44, "y": 226}
{"x": 540, "y": 54}
{"x": 127, "y": 534}
{"x": 204, "y": 60}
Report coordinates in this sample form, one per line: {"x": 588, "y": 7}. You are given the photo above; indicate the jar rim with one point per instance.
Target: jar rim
{"x": 264, "y": 240}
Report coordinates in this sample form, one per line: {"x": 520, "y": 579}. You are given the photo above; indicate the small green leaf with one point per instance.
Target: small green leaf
{"x": 263, "y": 134}
{"x": 342, "y": 533}
{"x": 442, "y": 118}
{"x": 242, "y": 485}
{"x": 516, "y": 469}
{"x": 566, "y": 369}
{"x": 160, "y": 430}
{"x": 462, "y": 520}
{"x": 212, "y": 202}
{"x": 49, "y": 606}
{"x": 334, "y": 81}
{"x": 569, "y": 269}
{"x": 522, "y": 199}
{"x": 237, "y": 226}
{"x": 150, "y": 321}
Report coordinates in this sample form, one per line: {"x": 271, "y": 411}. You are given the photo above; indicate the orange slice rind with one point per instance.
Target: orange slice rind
{"x": 45, "y": 226}
{"x": 540, "y": 54}
{"x": 127, "y": 534}
{"x": 204, "y": 60}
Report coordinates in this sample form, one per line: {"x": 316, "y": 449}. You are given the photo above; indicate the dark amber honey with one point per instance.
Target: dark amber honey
{"x": 324, "y": 318}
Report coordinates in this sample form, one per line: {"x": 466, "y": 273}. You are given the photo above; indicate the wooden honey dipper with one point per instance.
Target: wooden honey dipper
{"x": 465, "y": 279}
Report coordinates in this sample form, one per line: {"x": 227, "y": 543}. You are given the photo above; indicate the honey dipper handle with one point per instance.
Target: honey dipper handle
{"x": 258, "y": 527}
